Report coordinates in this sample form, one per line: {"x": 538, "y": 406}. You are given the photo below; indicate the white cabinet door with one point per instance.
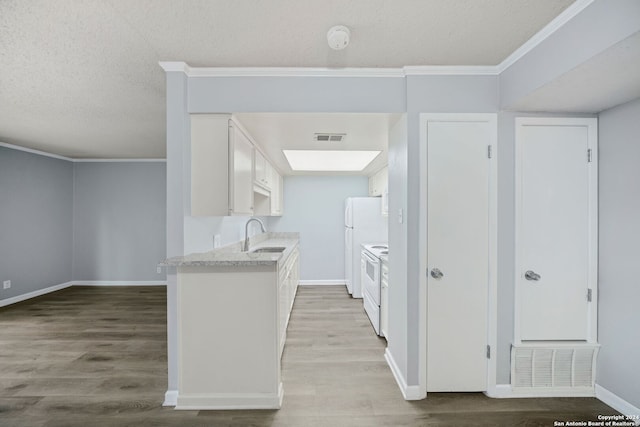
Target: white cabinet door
{"x": 241, "y": 182}
{"x": 276, "y": 193}
{"x": 458, "y": 171}
{"x": 556, "y": 228}
{"x": 260, "y": 168}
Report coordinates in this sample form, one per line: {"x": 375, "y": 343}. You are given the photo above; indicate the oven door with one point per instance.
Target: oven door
{"x": 371, "y": 276}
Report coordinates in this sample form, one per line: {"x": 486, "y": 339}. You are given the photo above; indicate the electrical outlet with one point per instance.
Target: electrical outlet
{"x": 159, "y": 270}
{"x": 6, "y": 284}
{"x": 216, "y": 241}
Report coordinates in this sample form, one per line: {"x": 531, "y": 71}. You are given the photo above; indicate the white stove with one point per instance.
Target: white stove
{"x": 371, "y": 271}
{"x": 377, "y": 249}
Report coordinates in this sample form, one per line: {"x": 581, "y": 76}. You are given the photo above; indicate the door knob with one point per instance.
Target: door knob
{"x": 436, "y": 273}
{"x": 530, "y": 275}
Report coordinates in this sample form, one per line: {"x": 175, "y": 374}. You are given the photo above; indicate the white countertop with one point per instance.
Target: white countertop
{"x": 232, "y": 255}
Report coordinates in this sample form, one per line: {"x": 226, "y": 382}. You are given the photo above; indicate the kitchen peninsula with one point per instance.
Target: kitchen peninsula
{"x": 233, "y": 311}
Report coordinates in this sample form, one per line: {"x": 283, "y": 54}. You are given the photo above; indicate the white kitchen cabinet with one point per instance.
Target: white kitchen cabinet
{"x": 229, "y": 175}
{"x": 232, "y": 323}
{"x": 276, "y": 193}
{"x": 262, "y": 169}
{"x": 241, "y": 182}
{"x": 288, "y": 286}
{"x": 384, "y": 300}
{"x": 221, "y": 167}
{"x": 378, "y": 182}
{"x": 379, "y": 187}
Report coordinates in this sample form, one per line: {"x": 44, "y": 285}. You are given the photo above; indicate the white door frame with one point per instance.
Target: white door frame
{"x": 592, "y": 134}
{"x": 493, "y": 243}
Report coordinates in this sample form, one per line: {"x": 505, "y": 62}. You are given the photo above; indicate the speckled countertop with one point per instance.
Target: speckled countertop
{"x": 232, "y": 255}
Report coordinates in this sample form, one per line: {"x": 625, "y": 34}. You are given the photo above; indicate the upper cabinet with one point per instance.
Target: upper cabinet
{"x": 379, "y": 186}
{"x": 229, "y": 175}
{"x": 241, "y": 174}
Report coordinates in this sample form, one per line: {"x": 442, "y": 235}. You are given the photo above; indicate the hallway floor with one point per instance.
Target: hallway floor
{"x": 96, "y": 356}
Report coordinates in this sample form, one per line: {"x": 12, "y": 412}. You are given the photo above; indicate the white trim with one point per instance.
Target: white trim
{"x": 119, "y": 283}
{"x": 150, "y": 160}
{"x": 322, "y": 282}
{"x": 179, "y": 66}
{"x": 559, "y": 21}
{"x": 450, "y": 70}
{"x": 293, "y": 72}
{"x": 592, "y": 134}
{"x": 399, "y": 72}
{"x": 409, "y": 392}
{"x": 221, "y": 401}
{"x": 32, "y": 151}
{"x": 617, "y": 403}
{"x": 76, "y": 160}
{"x": 499, "y": 391}
{"x": 170, "y": 398}
{"x": 492, "y": 309}
{"x": 29, "y": 295}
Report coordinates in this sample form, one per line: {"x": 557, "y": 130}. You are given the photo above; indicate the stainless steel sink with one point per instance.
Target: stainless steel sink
{"x": 269, "y": 249}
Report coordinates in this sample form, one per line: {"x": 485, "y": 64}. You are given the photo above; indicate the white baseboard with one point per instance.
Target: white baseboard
{"x": 228, "y": 401}
{"x": 618, "y": 403}
{"x": 322, "y": 283}
{"x": 499, "y": 391}
{"x": 54, "y": 288}
{"x": 409, "y": 392}
{"x": 34, "y": 294}
{"x": 119, "y": 283}
{"x": 170, "y": 398}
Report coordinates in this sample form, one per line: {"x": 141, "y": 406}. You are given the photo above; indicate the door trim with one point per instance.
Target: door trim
{"x": 592, "y": 134}
{"x": 492, "y": 322}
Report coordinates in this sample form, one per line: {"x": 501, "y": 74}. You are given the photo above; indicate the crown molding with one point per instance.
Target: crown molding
{"x": 77, "y": 160}
{"x": 567, "y": 15}
{"x": 95, "y": 160}
{"x": 293, "y": 72}
{"x": 32, "y": 151}
{"x": 171, "y": 66}
{"x": 449, "y": 70}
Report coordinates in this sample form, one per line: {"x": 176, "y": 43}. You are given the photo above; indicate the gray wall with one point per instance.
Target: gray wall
{"x": 432, "y": 94}
{"x": 119, "y": 215}
{"x": 36, "y": 217}
{"x": 314, "y": 206}
{"x": 398, "y": 324}
{"x": 619, "y": 217}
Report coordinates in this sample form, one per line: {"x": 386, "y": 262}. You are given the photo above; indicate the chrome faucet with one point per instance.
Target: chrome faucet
{"x": 245, "y": 248}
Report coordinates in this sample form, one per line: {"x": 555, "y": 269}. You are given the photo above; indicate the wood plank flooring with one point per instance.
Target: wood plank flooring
{"x": 96, "y": 356}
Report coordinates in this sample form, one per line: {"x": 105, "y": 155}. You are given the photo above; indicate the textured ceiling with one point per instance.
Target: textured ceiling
{"x": 81, "y": 78}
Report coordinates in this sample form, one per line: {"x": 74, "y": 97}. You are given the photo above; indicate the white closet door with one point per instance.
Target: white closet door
{"x": 554, "y": 229}
{"x": 458, "y": 254}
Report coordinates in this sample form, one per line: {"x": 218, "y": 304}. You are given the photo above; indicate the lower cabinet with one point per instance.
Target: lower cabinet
{"x": 288, "y": 286}
{"x": 232, "y": 322}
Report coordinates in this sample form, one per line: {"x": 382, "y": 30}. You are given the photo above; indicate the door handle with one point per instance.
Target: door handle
{"x": 436, "y": 273}
{"x": 530, "y": 275}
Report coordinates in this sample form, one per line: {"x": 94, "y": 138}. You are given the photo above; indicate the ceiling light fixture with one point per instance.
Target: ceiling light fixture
{"x": 329, "y": 160}
{"x": 338, "y": 37}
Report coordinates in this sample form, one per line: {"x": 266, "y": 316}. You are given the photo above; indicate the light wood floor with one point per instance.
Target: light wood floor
{"x": 96, "y": 356}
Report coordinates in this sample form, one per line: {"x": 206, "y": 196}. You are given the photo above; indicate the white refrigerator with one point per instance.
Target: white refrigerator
{"x": 363, "y": 223}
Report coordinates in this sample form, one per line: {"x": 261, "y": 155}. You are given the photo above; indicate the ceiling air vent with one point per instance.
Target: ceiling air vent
{"x": 329, "y": 137}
